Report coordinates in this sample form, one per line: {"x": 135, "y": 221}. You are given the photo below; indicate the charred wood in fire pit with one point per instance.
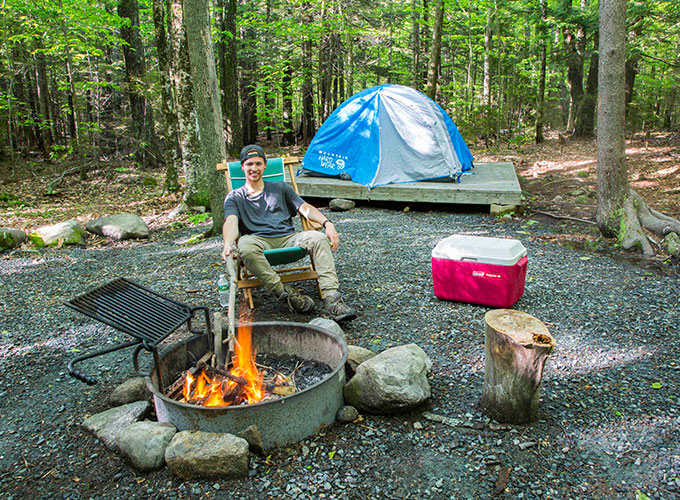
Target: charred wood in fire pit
{"x": 516, "y": 348}
{"x": 175, "y": 390}
{"x": 216, "y": 371}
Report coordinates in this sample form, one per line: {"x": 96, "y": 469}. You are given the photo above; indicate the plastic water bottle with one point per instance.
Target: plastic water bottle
{"x": 223, "y": 289}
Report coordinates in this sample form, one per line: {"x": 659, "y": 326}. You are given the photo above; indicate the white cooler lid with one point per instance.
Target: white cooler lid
{"x": 499, "y": 251}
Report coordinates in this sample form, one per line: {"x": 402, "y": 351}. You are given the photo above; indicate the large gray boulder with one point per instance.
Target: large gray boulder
{"x": 107, "y": 424}
{"x": 11, "y": 238}
{"x": 391, "y": 382}
{"x": 144, "y": 444}
{"x": 70, "y": 232}
{"x": 119, "y": 227}
{"x": 198, "y": 454}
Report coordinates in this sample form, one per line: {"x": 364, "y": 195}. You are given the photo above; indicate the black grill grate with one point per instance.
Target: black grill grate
{"x": 133, "y": 309}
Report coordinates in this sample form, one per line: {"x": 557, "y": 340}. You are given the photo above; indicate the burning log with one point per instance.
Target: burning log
{"x": 216, "y": 371}
{"x": 516, "y": 348}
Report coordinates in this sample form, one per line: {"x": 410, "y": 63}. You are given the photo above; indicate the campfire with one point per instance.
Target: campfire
{"x": 242, "y": 381}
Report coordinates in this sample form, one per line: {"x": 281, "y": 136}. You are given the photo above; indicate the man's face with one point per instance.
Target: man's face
{"x": 253, "y": 167}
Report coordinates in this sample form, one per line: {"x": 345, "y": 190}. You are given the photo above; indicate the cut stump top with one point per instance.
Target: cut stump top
{"x": 519, "y": 326}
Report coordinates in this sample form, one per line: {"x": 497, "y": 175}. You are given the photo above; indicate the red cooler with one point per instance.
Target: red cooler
{"x": 479, "y": 270}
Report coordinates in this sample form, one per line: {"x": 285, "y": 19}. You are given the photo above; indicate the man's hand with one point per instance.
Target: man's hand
{"x": 226, "y": 251}
{"x": 332, "y": 235}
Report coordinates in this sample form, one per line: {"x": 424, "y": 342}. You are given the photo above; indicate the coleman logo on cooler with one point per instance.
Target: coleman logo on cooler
{"x": 483, "y": 274}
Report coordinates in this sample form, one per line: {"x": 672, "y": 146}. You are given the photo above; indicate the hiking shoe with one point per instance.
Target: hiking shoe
{"x": 296, "y": 300}
{"x": 337, "y": 309}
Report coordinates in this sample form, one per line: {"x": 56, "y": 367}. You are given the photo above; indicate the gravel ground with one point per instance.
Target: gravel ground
{"x": 609, "y": 420}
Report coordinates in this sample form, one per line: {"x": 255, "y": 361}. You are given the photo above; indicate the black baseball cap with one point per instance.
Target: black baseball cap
{"x": 252, "y": 150}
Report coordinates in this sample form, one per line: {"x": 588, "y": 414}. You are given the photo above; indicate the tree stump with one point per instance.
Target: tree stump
{"x": 516, "y": 348}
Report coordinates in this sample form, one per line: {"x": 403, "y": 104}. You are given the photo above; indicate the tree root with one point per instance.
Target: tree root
{"x": 638, "y": 216}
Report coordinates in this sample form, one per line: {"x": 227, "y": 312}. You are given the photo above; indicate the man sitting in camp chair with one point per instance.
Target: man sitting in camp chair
{"x": 262, "y": 214}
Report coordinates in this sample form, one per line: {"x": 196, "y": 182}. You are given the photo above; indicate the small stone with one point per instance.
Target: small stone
{"x": 526, "y": 445}
{"x": 347, "y": 414}
{"x": 252, "y": 435}
{"x": 498, "y": 210}
{"x": 417, "y": 425}
{"x": 672, "y": 243}
{"x": 341, "y": 205}
{"x": 330, "y": 325}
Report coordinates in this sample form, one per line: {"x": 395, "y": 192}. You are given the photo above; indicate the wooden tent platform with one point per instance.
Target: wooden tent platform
{"x": 491, "y": 183}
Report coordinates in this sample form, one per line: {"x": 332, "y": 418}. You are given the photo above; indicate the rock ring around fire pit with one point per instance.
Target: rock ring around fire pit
{"x": 281, "y": 421}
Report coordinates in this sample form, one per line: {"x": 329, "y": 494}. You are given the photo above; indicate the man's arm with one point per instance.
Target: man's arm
{"x": 229, "y": 235}
{"x": 313, "y": 214}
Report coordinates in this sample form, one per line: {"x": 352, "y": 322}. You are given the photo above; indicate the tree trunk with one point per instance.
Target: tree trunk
{"x": 585, "y": 121}
{"x": 621, "y": 213}
{"x": 349, "y": 88}
{"x": 436, "y": 52}
{"x": 287, "y": 88}
{"x": 415, "y": 45}
{"x": 671, "y": 112}
{"x": 248, "y": 97}
{"x": 308, "y": 127}
{"x": 631, "y": 72}
{"x": 180, "y": 75}
{"x": 71, "y": 89}
{"x": 208, "y": 113}
{"x": 488, "y": 37}
{"x": 516, "y": 348}
{"x": 44, "y": 95}
{"x": 172, "y": 151}
{"x": 540, "y": 101}
{"x": 325, "y": 58}
{"x": 228, "y": 63}
{"x": 147, "y": 153}
{"x": 34, "y": 113}
{"x": 574, "y": 46}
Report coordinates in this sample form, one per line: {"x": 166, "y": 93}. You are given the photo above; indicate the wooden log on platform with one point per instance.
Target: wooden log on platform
{"x": 516, "y": 348}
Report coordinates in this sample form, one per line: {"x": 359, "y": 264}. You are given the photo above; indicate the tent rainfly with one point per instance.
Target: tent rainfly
{"x": 388, "y": 134}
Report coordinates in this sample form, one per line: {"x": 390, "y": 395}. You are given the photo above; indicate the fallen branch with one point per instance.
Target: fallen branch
{"x": 57, "y": 180}
{"x": 566, "y": 217}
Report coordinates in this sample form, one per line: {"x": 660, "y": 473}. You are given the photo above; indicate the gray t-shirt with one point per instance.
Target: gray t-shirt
{"x": 269, "y": 213}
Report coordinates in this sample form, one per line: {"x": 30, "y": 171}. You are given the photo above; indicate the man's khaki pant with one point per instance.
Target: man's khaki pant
{"x": 251, "y": 249}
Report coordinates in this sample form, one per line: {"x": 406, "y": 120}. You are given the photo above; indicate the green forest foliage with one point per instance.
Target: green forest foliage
{"x": 63, "y": 89}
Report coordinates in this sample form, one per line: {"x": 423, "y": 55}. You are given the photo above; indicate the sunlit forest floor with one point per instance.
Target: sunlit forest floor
{"x": 559, "y": 177}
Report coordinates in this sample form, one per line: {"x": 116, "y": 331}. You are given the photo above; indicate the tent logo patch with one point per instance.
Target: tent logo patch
{"x": 332, "y": 161}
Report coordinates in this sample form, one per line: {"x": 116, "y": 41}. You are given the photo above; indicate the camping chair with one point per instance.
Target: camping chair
{"x": 278, "y": 256}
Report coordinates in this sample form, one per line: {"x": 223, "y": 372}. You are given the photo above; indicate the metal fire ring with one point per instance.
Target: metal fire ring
{"x": 279, "y": 422}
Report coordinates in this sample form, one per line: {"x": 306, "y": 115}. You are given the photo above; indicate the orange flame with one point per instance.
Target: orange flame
{"x": 212, "y": 390}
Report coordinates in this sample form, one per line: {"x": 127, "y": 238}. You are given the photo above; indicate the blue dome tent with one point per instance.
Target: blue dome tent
{"x": 388, "y": 134}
